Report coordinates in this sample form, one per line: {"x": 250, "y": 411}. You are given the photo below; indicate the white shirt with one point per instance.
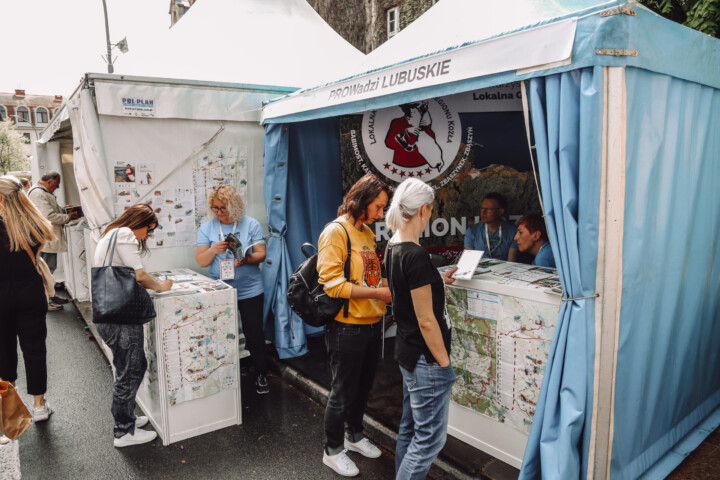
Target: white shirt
{"x": 126, "y": 249}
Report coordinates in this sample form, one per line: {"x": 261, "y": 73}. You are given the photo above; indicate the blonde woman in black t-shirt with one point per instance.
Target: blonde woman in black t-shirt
{"x": 22, "y": 293}
{"x": 422, "y": 345}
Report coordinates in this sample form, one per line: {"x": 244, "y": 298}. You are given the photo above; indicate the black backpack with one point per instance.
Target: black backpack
{"x": 307, "y": 297}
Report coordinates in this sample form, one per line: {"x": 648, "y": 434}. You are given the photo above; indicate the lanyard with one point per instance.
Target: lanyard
{"x": 487, "y": 239}
{"x": 223, "y": 238}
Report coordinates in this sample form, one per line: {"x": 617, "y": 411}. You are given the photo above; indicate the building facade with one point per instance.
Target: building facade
{"x": 178, "y": 8}
{"x": 30, "y": 113}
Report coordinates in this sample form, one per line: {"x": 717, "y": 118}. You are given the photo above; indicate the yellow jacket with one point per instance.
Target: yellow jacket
{"x": 364, "y": 269}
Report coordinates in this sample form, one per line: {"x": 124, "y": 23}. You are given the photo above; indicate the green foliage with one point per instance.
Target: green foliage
{"x": 702, "y": 15}
{"x": 12, "y": 148}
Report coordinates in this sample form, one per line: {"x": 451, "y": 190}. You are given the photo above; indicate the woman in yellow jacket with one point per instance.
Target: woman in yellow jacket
{"x": 353, "y": 342}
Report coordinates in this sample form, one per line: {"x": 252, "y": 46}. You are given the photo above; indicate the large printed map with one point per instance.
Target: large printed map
{"x": 500, "y": 346}
{"x": 200, "y": 355}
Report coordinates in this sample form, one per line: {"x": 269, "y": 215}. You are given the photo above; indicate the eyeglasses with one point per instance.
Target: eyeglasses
{"x": 219, "y": 209}
{"x": 150, "y": 230}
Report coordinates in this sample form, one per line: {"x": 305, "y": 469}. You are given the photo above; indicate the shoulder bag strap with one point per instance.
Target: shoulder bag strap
{"x": 346, "y": 306}
{"x": 111, "y": 248}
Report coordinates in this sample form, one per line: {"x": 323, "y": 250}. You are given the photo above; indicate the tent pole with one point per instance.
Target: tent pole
{"x": 609, "y": 272}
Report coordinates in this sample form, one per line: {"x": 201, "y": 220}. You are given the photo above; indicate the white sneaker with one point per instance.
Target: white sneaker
{"x": 40, "y": 414}
{"x": 141, "y": 421}
{"x": 140, "y": 436}
{"x": 363, "y": 447}
{"x": 341, "y": 463}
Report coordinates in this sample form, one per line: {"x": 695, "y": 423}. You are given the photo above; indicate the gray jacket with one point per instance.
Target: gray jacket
{"x": 48, "y": 206}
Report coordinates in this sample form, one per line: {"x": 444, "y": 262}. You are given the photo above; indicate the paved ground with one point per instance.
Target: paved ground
{"x": 281, "y": 435}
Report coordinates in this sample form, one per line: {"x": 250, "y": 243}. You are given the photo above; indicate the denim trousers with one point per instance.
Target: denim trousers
{"x": 423, "y": 426}
{"x": 127, "y": 343}
{"x": 354, "y": 351}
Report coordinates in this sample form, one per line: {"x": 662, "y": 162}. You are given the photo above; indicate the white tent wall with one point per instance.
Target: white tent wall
{"x": 166, "y": 143}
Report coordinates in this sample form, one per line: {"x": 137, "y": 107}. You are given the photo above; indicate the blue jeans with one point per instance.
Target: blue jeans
{"x": 354, "y": 351}
{"x": 127, "y": 343}
{"x": 423, "y": 427}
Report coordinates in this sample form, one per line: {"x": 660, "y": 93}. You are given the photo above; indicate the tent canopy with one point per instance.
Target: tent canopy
{"x": 260, "y": 42}
{"x": 488, "y": 47}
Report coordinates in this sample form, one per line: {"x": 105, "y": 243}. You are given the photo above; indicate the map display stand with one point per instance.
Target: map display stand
{"x": 193, "y": 347}
{"x": 503, "y": 324}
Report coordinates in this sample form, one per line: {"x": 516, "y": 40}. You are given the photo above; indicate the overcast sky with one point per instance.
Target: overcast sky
{"x": 47, "y": 45}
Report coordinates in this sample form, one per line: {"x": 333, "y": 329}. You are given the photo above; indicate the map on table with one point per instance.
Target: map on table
{"x": 500, "y": 346}
{"x": 200, "y": 355}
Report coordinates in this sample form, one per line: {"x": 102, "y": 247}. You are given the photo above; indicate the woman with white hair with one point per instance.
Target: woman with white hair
{"x": 228, "y": 208}
{"x": 422, "y": 345}
{"x": 23, "y": 232}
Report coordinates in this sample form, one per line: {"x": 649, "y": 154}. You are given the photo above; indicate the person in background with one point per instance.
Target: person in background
{"x": 127, "y": 342}
{"x": 353, "y": 342}
{"x": 493, "y": 234}
{"x": 532, "y": 238}
{"x": 23, "y": 230}
{"x": 42, "y": 196}
{"x": 228, "y": 208}
{"x": 422, "y": 345}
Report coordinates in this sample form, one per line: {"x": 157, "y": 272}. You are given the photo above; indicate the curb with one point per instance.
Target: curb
{"x": 383, "y": 436}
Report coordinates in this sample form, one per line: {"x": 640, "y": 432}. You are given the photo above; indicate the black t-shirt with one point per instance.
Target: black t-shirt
{"x": 15, "y": 266}
{"x": 409, "y": 267}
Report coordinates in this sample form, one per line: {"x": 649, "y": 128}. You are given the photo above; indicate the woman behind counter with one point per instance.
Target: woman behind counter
{"x": 353, "y": 342}
{"x": 127, "y": 342}
{"x": 422, "y": 346}
{"x": 22, "y": 294}
{"x": 212, "y": 250}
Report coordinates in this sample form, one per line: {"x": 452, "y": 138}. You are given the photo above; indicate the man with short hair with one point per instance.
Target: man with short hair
{"x": 42, "y": 196}
{"x": 532, "y": 238}
{"x": 493, "y": 234}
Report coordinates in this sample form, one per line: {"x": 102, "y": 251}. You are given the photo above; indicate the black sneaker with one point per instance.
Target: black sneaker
{"x": 60, "y": 286}
{"x": 261, "y": 385}
{"x": 59, "y": 300}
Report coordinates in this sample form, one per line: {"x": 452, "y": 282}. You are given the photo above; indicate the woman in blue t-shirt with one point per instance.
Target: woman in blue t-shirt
{"x": 228, "y": 209}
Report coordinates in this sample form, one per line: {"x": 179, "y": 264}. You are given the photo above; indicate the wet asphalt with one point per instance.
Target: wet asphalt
{"x": 281, "y": 436}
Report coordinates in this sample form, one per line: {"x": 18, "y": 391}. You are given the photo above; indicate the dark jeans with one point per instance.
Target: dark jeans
{"x": 23, "y": 307}
{"x": 50, "y": 259}
{"x": 353, "y": 351}
{"x": 251, "y": 320}
{"x": 127, "y": 345}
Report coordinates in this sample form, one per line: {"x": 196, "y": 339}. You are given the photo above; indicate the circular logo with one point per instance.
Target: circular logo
{"x": 418, "y": 139}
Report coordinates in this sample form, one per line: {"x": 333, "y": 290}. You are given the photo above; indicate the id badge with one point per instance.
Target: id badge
{"x": 227, "y": 269}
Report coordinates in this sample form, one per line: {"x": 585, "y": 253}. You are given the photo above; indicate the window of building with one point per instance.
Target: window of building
{"x": 3, "y": 113}
{"x": 27, "y": 137}
{"x": 42, "y": 115}
{"x": 393, "y": 21}
{"x": 22, "y": 115}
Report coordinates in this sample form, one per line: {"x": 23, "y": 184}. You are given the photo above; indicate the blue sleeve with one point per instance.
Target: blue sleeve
{"x": 202, "y": 236}
{"x": 256, "y": 233}
{"x": 470, "y": 237}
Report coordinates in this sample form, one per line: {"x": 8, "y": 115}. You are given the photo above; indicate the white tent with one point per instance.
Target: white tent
{"x": 197, "y": 89}
{"x": 260, "y": 42}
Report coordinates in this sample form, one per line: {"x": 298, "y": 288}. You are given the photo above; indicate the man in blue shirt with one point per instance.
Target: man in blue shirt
{"x": 532, "y": 238}
{"x": 493, "y": 234}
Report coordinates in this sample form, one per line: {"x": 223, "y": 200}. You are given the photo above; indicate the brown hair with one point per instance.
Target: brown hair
{"x": 361, "y": 195}
{"x": 534, "y": 223}
{"x": 25, "y": 225}
{"x": 135, "y": 218}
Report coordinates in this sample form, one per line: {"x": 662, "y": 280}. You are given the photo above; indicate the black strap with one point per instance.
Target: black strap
{"x": 346, "y": 302}
{"x": 111, "y": 248}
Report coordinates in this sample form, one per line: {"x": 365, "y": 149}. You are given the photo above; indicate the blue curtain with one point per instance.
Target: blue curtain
{"x": 302, "y": 192}
{"x": 669, "y": 332}
{"x": 566, "y": 112}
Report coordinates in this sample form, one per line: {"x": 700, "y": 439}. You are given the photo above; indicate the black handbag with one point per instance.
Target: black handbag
{"x": 307, "y": 297}
{"x": 117, "y": 297}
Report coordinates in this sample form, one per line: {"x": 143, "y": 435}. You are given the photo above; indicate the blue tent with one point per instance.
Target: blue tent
{"x": 625, "y": 110}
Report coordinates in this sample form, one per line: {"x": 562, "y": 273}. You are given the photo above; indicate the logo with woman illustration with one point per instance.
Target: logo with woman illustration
{"x": 418, "y": 139}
